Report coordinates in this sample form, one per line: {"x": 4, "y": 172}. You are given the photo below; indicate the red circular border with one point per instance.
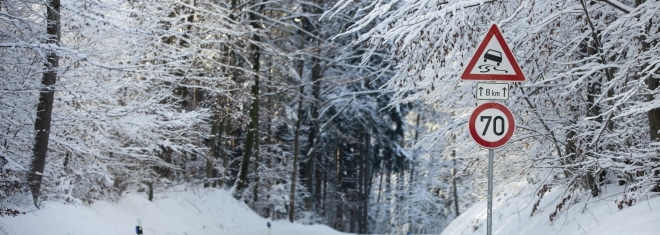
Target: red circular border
{"x": 472, "y": 124}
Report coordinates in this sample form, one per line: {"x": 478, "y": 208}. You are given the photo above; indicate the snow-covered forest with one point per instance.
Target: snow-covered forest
{"x": 349, "y": 113}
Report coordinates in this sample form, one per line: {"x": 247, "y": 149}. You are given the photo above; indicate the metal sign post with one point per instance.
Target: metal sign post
{"x": 491, "y": 125}
{"x": 489, "y": 229}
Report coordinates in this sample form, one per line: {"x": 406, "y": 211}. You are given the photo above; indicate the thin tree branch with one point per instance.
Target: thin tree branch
{"x": 616, "y": 4}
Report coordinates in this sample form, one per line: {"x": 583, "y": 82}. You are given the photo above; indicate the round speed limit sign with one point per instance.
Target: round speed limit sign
{"x": 491, "y": 125}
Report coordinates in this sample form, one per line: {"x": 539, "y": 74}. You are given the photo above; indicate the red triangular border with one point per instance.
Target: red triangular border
{"x": 493, "y": 31}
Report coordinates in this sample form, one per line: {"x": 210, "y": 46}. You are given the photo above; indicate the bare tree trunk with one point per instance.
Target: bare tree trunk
{"x": 225, "y": 156}
{"x": 46, "y": 98}
{"x": 653, "y": 114}
{"x": 365, "y": 180}
{"x": 360, "y": 186}
{"x": 380, "y": 188}
{"x": 257, "y": 183}
{"x": 453, "y": 179}
{"x": 339, "y": 216}
{"x": 391, "y": 198}
{"x": 150, "y": 193}
{"x": 296, "y": 141}
{"x": 296, "y": 153}
{"x": 353, "y": 214}
{"x": 214, "y": 145}
{"x": 251, "y": 138}
{"x": 312, "y": 171}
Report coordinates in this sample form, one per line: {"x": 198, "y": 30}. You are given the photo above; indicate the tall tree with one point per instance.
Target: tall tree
{"x": 46, "y": 98}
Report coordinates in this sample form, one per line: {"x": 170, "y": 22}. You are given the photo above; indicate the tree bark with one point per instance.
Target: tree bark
{"x": 214, "y": 145}
{"x": 653, "y": 114}
{"x": 296, "y": 153}
{"x": 652, "y": 84}
{"x": 225, "y": 156}
{"x": 46, "y": 97}
{"x": 339, "y": 216}
{"x": 251, "y": 133}
{"x": 366, "y": 184}
{"x": 311, "y": 169}
{"x": 313, "y": 157}
{"x": 453, "y": 179}
{"x": 253, "y": 127}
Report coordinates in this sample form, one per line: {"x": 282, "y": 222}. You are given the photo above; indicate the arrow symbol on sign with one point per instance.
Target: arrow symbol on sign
{"x": 490, "y": 91}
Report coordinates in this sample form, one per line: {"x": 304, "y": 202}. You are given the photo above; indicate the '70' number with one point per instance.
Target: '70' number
{"x": 498, "y": 121}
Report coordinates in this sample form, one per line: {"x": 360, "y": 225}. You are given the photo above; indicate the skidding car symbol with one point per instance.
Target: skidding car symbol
{"x": 494, "y": 56}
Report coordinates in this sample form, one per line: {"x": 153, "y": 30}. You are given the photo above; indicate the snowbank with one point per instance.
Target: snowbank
{"x": 198, "y": 212}
{"x": 511, "y": 214}
{"x": 213, "y": 211}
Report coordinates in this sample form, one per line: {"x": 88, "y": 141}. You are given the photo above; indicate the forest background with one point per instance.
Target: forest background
{"x": 349, "y": 113}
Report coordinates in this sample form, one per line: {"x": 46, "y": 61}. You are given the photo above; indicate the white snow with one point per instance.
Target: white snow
{"x": 600, "y": 215}
{"x": 181, "y": 211}
{"x": 195, "y": 211}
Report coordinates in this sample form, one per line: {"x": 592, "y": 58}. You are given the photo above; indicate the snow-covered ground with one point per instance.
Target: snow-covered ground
{"x": 180, "y": 212}
{"x": 186, "y": 211}
{"x": 601, "y": 216}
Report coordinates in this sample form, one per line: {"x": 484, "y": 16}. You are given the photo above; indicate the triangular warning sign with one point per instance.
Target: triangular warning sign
{"x": 493, "y": 60}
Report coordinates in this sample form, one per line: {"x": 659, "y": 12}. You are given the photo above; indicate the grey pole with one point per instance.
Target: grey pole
{"x": 489, "y": 230}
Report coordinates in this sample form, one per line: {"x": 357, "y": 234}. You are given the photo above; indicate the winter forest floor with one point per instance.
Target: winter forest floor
{"x": 580, "y": 215}
{"x": 185, "y": 210}
{"x": 179, "y": 211}
{"x": 212, "y": 211}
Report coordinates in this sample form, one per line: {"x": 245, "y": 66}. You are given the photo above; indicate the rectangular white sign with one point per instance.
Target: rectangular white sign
{"x": 492, "y": 91}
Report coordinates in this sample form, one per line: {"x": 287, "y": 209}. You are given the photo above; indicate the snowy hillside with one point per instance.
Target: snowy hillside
{"x": 511, "y": 214}
{"x": 191, "y": 211}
